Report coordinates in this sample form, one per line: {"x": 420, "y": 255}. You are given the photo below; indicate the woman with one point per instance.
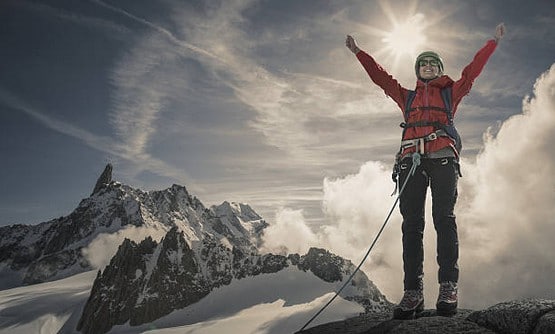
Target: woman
{"x": 429, "y": 131}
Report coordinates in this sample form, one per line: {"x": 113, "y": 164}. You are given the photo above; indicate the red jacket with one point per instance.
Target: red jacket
{"x": 428, "y": 94}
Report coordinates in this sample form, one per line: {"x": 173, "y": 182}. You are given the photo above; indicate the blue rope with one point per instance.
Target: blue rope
{"x": 415, "y": 164}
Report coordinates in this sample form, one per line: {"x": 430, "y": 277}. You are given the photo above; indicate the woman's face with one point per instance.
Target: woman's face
{"x": 428, "y": 68}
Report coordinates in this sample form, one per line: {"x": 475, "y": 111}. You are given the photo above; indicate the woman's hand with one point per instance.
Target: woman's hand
{"x": 351, "y": 44}
{"x": 499, "y": 31}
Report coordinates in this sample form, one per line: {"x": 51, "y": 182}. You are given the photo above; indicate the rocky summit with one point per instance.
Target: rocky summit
{"x": 528, "y": 316}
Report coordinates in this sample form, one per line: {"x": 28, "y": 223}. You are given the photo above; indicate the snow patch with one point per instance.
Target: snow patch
{"x": 43, "y": 308}
{"x": 150, "y": 265}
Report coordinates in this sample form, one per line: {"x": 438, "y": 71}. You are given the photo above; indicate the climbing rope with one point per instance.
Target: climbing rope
{"x": 415, "y": 164}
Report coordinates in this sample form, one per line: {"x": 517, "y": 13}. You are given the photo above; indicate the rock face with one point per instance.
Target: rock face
{"x": 144, "y": 282}
{"x": 104, "y": 179}
{"x": 533, "y": 316}
{"x": 518, "y": 317}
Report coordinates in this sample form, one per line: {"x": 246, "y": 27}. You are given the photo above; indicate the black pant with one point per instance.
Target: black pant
{"x": 442, "y": 175}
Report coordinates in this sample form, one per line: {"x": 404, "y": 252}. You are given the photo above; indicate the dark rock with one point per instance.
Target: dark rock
{"x": 273, "y": 263}
{"x": 515, "y": 317}
{"x": 382, "y": 323}
{"x": 535, "y": 316}
{"x": 115, "y": 290}
{"x": 174, "y": 283}
{"x": 546, "y": 324}
{"x": 294, "y": 258}
{"x": 323, "y": 264}
{"x": 104, "y": 179}
{"x": 433, "y": 324}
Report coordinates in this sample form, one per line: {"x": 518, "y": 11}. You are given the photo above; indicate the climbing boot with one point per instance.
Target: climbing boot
{"x": 410, "y": 305}
{"x": 447, "y": 299}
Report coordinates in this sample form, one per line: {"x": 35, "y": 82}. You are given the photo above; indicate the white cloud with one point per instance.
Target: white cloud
{"x": 100, "y": 251}
{"x": 142, "y": 160}
{"x": 290, "y": 225}
{"x": 505, "y": 214}
{"x": 101, "y": 143}
{"x": 508, "y": 223}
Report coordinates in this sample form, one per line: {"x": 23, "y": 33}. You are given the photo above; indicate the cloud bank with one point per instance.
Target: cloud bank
{"x": 505, "y": 214}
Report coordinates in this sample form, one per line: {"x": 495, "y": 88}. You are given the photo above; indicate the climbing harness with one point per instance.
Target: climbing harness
{"x": 445, "y": 130}
{"x": 415, "y": 164}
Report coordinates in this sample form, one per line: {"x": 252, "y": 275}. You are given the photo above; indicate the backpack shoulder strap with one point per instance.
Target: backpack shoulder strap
{"x": 410, "y": 98}
{"x": 447, "y": 96}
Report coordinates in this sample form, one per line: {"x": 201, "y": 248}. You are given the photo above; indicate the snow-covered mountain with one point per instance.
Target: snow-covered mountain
{"x": 55, "y": 249}
{"x": 188, "y": 254}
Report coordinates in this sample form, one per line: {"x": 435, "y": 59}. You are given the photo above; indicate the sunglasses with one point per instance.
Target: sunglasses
{"x": 431, "y": 62}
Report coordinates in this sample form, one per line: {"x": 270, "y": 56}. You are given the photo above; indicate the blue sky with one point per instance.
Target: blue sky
{"x": 247, "y": 101}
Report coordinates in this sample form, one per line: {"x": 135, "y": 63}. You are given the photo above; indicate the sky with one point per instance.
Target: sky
{"x": 261, "y": 102}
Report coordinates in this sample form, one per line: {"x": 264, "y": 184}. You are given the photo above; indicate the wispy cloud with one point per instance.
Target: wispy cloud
{"x": 144, "y": 82}
{"x": 104, "y": 144}
{"x": 285, "y": 104}
{"x": 159, "y": 29}
{"x": 108, "y": 145}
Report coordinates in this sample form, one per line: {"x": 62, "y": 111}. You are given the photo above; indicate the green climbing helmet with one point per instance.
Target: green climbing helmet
{"x": 428, "y": 54}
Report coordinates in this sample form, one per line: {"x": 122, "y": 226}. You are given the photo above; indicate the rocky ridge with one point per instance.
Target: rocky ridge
{"x": 146, "y": 281}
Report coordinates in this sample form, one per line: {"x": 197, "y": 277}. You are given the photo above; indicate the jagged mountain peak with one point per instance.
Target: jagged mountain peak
{"x": 242, "y": 210}
{"x": 239, "y": 220}
{"x": 104, "y": 179}
{"x": 54, "y": 249}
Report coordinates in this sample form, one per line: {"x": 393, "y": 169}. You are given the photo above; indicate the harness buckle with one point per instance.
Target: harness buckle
{"x": 431, "y": 136}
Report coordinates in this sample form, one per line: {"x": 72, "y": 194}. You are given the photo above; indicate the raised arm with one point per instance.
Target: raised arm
{"x": 378, "y": 75}
{"x": 462, "y": 86}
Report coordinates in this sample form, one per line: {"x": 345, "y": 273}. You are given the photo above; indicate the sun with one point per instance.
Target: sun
{"x": 409, "y": 32}
{"x": 406, "y": 38}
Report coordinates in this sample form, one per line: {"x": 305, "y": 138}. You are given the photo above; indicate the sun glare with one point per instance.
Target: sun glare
{"x": 407, "y": 34}
{"x": 407, "y": 37}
